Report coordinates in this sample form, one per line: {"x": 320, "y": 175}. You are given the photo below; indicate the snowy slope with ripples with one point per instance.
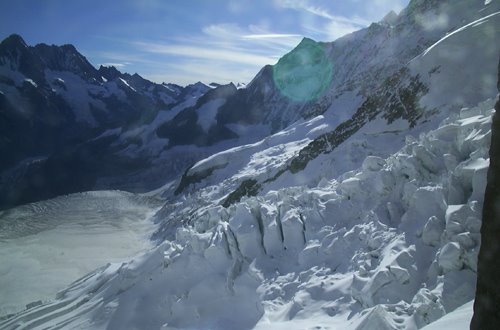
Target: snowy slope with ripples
{"x": 47, "y": 245}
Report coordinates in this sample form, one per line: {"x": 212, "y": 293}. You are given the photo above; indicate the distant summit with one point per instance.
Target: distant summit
{"x": 13, "y": 41}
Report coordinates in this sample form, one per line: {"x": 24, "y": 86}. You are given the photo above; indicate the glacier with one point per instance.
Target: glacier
{"x": 45, "y": 246}
{"x": 390, "y": 245}
{"x": 360, "y": 212}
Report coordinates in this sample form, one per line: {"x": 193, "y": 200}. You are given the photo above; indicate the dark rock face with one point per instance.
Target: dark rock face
{"x": 487, "y": 303}
{"x": 65, "y": 58}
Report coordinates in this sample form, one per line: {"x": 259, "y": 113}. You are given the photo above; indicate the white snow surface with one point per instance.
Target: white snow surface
{"x": 208, "y": 112}
{"x": 390, "y": 245}
{"x": 260, "y": 160}
{"x": 459, "y": 319}
{"x": 126, "y": 84}
{"x": 55, "y": 242}
{"x": 151, "y": 143}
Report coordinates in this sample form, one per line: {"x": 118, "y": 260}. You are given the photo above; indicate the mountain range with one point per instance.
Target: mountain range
{"x": 57, "y": 109}
{"x": 341, "y": 188}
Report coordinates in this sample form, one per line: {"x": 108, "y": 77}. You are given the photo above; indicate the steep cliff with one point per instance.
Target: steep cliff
{"x": 487, "y": 304}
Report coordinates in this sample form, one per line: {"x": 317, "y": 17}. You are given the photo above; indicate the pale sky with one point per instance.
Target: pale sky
{"x": 184, "y": 41}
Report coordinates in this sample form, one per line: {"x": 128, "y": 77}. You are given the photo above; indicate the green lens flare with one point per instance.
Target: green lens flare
{"x": 305, "y": 73}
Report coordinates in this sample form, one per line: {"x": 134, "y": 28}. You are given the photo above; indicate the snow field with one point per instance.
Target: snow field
{"x": 47, "y": 245}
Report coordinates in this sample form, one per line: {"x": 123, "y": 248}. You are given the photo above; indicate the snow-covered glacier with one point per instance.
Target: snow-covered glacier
{"x": 364, "y": 213}
{"x": 390, "y": 245}
{"x": 45, "y": 246}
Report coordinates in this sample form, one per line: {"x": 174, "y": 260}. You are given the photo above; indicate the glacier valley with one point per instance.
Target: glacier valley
{"x": 359, "y": 208}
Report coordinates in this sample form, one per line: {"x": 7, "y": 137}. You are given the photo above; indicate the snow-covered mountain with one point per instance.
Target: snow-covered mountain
{"x": 362, "y": 209}
{"x": 142, "y": 134}
{"x": 391, "y": 245}
{"x": 57, "y": 109}
{"x": 407, "y": 92}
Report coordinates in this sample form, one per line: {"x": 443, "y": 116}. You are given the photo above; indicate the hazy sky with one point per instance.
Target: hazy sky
{"x": 184, "y": 41}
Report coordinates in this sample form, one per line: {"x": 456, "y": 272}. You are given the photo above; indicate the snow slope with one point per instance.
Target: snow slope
{"x": 47, "y": 245}
{"x": 459, "y": 319}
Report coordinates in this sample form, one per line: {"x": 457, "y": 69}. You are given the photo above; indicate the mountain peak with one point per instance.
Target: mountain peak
{"x": 306, "y": 41}
{"x": 64, "y": 58}
{"x": 55, "y": 49}
{"x": 14, "y": 41}
{"x": 15, "y": 51}
{"x": 69, "y": 48}
{"x": 109, "y": 72}
{"x": 198, "y": 85}
{"x": 305, "y": 44}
